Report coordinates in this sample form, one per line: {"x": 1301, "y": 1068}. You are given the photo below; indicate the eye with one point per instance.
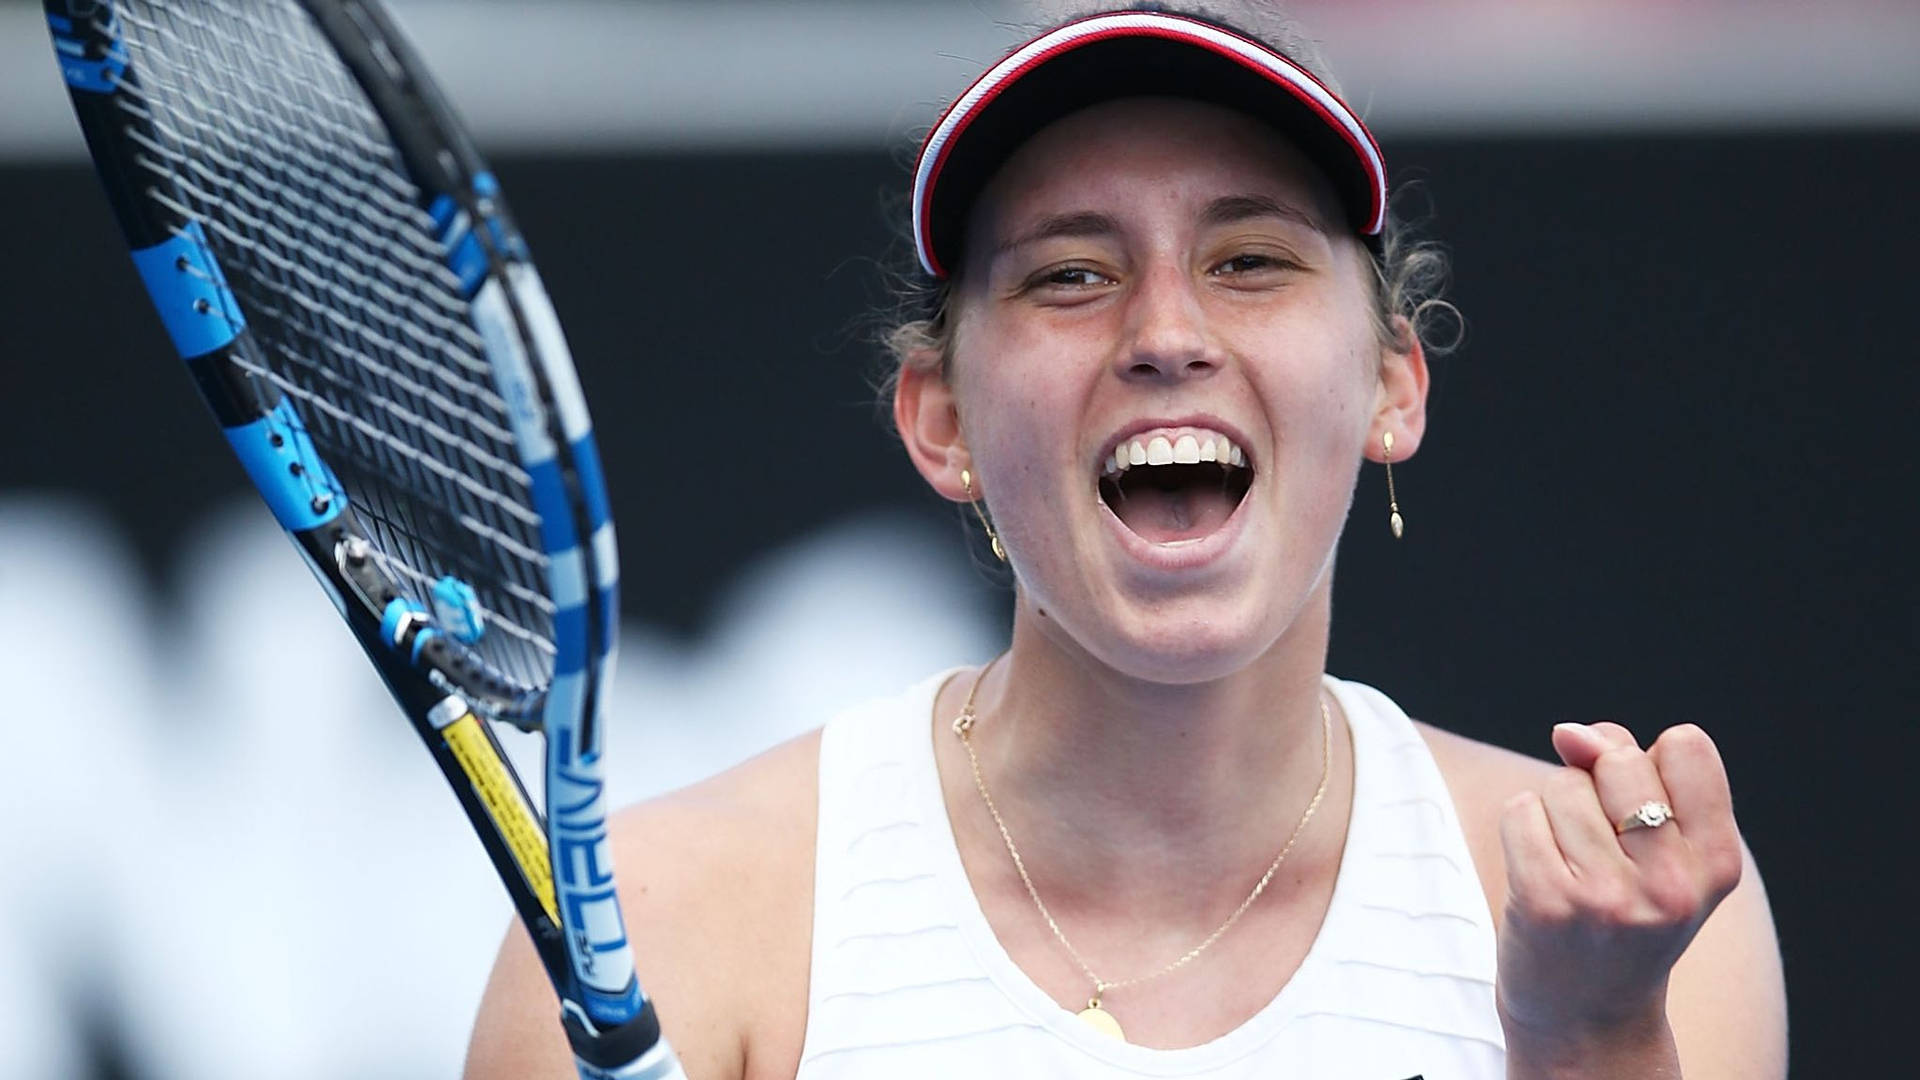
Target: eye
{"x": 1070, "y": 277}
{"x": 1253, "y": 262}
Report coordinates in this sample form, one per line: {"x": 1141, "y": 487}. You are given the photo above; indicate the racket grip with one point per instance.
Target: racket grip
{"x": 656, "y": 1064}
{"x": 636, "y": 1050}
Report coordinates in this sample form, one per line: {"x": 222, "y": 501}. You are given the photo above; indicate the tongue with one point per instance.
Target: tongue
{"x": 1186, "y": 513}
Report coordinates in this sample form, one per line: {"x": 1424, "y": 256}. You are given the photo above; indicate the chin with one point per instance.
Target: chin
{"x": 1179, "y": 642}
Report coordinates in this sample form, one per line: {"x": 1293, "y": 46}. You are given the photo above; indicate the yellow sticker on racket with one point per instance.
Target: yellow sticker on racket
{"x": 508, "y": 808}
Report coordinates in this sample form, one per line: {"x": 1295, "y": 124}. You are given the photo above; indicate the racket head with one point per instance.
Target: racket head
{"x": 340, "y": 273}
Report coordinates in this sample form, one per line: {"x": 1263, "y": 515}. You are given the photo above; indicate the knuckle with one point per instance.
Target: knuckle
{"x": 1724, "y": 870}
{"x": 1621, "y": 755}
{"x": 1671, "y": 897}
{"x": 1567, "y": 780}
{"x": 1551, "y": 910}
{"x": 1607, "y": 900}
{"x": 1519, "y": 804}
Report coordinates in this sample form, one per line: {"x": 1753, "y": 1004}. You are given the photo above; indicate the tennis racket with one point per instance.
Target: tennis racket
{"x": 338, "y": 270}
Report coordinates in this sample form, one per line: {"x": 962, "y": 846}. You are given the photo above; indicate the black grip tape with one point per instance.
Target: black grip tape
{"x": 613, "y": 1047}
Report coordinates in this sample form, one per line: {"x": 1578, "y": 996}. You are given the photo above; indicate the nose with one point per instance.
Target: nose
{"x": 1167, "y": 337}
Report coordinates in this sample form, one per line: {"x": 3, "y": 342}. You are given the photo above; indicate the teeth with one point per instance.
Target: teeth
{"x": 1188, "y": 448}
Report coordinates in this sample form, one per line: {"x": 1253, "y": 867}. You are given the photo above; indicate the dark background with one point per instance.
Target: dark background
{"x": 1668, "y": 476}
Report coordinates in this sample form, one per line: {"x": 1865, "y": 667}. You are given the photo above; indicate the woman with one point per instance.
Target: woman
{"x": 1154, "y": 838}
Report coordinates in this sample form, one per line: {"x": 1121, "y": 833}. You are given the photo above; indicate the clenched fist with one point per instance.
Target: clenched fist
{"x": 1596, "y": 917}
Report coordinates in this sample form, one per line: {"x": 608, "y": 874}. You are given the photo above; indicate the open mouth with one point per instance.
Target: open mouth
{"x": 1168, "y": 487}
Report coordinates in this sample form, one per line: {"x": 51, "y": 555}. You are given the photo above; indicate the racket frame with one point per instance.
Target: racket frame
{"x": 613, "y": 1033}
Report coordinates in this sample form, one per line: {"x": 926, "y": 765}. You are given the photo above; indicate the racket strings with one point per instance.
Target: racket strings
{"x": 343, "y": 200}
{"x": 291, "y": 220}
{"x": 398, "y": 411}
{"x": 258, "y": 132}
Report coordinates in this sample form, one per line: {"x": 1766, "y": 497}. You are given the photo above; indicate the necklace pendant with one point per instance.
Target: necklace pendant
{"x": 1101, "y": 1020}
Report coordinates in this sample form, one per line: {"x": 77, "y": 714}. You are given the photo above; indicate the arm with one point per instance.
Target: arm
{"x": 717, "y": 886}
{"x": 1648, "y": 954}
{"x": 517, "y": 1034}
{"x": 1728, "y": 999}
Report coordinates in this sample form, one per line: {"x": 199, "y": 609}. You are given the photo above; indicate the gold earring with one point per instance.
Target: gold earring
{"x": 1393, "y": 503}
{"x": 966, "y": 481}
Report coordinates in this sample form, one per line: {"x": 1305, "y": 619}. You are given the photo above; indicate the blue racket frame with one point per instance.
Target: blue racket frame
{"x": 575, "y": 919}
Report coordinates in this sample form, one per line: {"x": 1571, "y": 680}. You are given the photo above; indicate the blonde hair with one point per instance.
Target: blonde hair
{"x": 1409, "y": 272}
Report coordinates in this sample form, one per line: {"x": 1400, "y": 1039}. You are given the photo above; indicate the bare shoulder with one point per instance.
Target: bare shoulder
{"x": 1481, "y": 778}
{"x": 1726, "y": 998}
{"x": 716, "y": 883}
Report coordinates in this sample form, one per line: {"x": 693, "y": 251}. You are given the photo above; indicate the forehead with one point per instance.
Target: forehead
{"x": 1145, "y": 152}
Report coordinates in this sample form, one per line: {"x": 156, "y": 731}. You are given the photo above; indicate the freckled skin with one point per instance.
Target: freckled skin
{"x": 1152, "y": 723}
{"x": 1151, "y": 325}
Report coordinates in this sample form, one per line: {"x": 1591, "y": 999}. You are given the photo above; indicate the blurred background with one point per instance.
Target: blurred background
{"x": 1669, "y": 478}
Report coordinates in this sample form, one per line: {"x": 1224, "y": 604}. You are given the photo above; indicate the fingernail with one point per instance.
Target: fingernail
{"x": 1582, "y": 728}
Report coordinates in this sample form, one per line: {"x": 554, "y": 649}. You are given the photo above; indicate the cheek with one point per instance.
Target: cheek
{"x": 1018, "y": 427}
{"x": 1014, "y": 393}
{"x": 1013, "y": 431}
{"x": 1318, "y": 376}
{"x": 1352, "y": 380}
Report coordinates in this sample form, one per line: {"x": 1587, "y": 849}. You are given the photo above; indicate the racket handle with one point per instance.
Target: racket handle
{"x": 658, "y": 1063}
{"x": 636, "y": 1050}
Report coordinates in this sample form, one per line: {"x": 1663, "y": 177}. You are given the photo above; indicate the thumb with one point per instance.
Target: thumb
{"x": 1580, "y": 745}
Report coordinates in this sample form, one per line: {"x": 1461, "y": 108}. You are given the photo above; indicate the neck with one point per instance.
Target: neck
{"x": 1129, "y": 791}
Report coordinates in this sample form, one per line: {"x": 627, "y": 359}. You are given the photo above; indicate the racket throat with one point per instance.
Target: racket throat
{"x": 506, "y": 803}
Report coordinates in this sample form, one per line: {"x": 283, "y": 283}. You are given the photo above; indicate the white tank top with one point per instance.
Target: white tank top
{"x": 909, "y": 982}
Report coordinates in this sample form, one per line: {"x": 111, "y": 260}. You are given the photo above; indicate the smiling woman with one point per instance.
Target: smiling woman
{"x": 1171, "y": 318}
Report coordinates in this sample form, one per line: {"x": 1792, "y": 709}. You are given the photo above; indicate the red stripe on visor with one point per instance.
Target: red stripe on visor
{"x": 1126, "y": 54}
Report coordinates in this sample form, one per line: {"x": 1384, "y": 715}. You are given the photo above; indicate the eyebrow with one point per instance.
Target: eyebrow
{"x": 1232, "y": 209}
{"x": 1054, "y": 226}
{"x": 1226, "y": 210}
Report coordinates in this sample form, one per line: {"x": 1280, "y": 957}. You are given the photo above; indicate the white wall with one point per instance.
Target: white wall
{"x": 221, "y": 831}
{"x": 611, "y": 75}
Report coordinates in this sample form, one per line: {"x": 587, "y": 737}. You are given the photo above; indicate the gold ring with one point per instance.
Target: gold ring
{"x": 1650, "y": 815}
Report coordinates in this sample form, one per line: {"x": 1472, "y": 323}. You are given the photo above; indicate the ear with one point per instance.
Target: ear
{"x": 928, "y": 419}
{"x": 1400, "y": 404}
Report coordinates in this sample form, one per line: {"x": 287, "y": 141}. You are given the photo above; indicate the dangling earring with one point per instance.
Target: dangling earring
{"x": 1393, "y": 503}
{"x": 966, "y": 481}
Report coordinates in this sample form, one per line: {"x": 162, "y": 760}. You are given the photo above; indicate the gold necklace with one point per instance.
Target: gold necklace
{"x": 1096, "y": 1017}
